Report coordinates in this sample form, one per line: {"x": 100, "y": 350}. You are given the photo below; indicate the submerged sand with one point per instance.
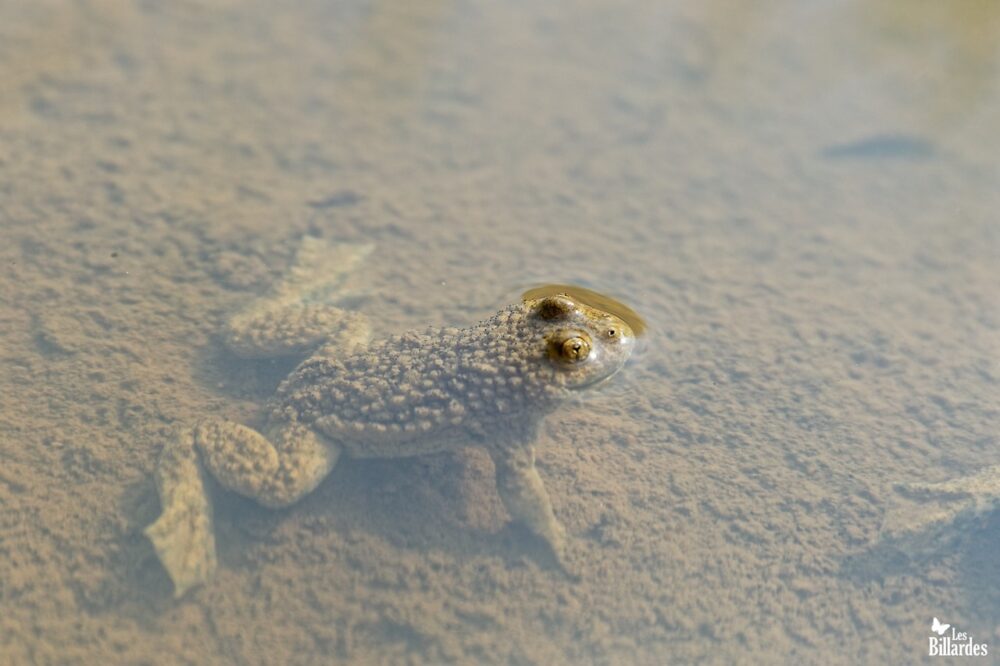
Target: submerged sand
{"x": 801, "y": 200}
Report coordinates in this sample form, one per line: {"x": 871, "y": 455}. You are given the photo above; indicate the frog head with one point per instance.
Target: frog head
{"x": 584, "y": 344}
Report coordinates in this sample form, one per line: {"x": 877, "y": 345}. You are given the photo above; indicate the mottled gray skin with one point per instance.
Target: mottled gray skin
{"x": 417, "y": 393}
{"x": 428, "y": 391}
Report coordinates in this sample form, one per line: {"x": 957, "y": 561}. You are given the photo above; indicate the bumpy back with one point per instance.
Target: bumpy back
{"x": 421, "y": 381}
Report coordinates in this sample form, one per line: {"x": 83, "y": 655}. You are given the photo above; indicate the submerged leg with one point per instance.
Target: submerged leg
{"x": 982, "y": 487}
{"x": 923, "y": 506}
{"x": 524, "y": 495}
{"x": 298, "y": 315}
{"x": 182, "y": 536}
{"x": 275, "y": 473}
{"x": 276, "y": 470}
{"x": 270, "y": 330}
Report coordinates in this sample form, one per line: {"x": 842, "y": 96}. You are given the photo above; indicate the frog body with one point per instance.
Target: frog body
{"x": 490, "y": 384}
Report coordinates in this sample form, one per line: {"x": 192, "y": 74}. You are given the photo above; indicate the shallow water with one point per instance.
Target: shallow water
{"x": 800, "y": 199}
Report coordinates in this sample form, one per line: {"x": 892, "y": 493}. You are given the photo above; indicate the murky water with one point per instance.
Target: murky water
{"x": 800, "y": 199}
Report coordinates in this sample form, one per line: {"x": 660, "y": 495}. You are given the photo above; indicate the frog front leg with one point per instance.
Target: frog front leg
{"x": 275, "y": 469}
{"x": 525, "y": 497}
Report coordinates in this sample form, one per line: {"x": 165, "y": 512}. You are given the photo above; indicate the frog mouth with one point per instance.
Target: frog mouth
{"x": 590, "y": 384}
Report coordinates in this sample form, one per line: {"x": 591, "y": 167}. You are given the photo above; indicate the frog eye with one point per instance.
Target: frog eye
{"x": 572, "y": 350}
{"x": 555, "y": 307}
{"x": 612, "y": 332}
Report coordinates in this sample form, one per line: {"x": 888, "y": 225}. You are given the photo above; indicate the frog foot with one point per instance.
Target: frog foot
{"x": 924, "y": 507}
{"x": 182, "y": 536}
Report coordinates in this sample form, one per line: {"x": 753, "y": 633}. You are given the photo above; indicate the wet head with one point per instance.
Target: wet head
{"x": 584, "y": 344}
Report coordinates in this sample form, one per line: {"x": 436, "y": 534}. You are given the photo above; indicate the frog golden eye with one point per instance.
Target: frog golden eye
{"x": 612, "y": 332}
{"x": 574, "y": 350}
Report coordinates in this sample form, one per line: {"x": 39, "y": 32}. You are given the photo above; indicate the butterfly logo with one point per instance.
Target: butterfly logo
{"x": 939, "y": 628}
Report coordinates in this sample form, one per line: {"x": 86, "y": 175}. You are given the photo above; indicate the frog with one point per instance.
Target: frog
{"x": 490, "y": 384}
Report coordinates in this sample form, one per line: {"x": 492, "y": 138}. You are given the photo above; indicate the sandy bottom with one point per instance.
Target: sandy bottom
{"x": 801, "y": 200}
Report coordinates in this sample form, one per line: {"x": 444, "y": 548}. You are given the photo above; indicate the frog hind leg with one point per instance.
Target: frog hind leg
{"x": 523, "y": 493}
{"x": 276, "y": 471}
{"x": 275, "y": 331}
{"x": 982, "y": 487}
{"x": 182, "y": 536}
{"x": 298, "y": 315}
{"x": 925, "y": 506}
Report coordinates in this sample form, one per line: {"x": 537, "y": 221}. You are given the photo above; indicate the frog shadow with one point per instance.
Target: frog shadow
{"x": 239, "y": 378}
{"x": 970, "y": 548}
{"x": 445, "y": 503}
